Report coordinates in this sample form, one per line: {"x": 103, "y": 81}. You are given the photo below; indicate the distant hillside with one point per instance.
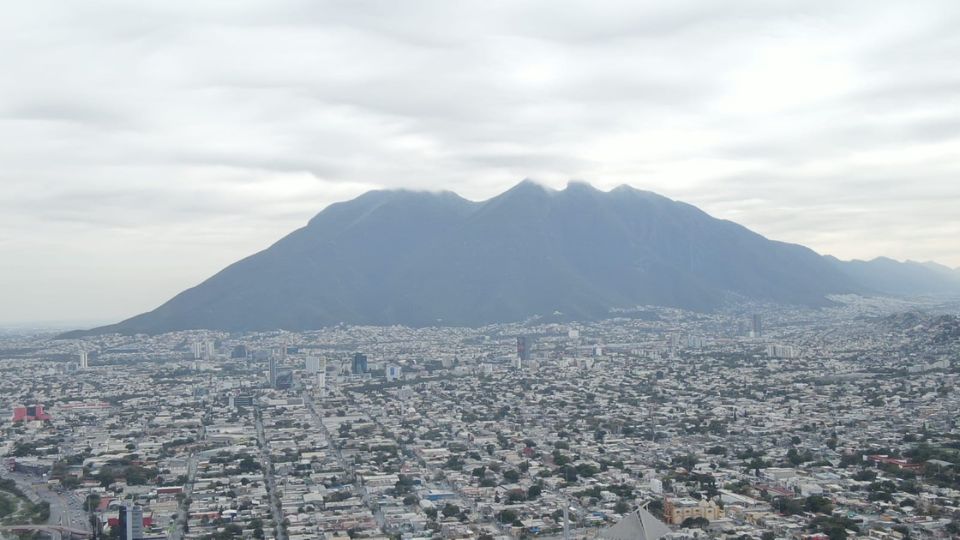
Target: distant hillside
{"x": 901, "y": 278}
{"x": 415, "y": 258}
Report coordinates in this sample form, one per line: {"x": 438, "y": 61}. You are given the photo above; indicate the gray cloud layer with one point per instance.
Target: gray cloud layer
{"x": 146, "y": 145}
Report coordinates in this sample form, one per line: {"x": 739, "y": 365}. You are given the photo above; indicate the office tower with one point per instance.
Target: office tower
{"x": 359, "y": 366}
{"x": 756, "y": 327}
{"x": 122, "y": 519}
{"x": 313, "y": 365}
{"x": 133, "y": 527}
{"x": 272, "y": 376}
{"x": 523, "y": 348}
{"x": 322, "y": 382}
{"x": 197, "y": 350}
{"x": 241, "y": 400}
{"x": 284, "y": 379}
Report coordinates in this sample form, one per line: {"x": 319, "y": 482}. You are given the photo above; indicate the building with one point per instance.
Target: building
{"x": 130, "y": 522}
{"x": 756, "y": 326}
{"x": 322, "y": 382}
{"x": 677, "y": 510}
{"x": 29, "y": 414}
{"x": 782, "y": 351}
{"x": 84, "y": 360}
{"x": 135, "y": 523}
{"x": 284, "y": 379}
{"x": 523, "y": 348}
{"x": 241, "y": 400}
{"x": 359, "y": 366}
{"x": 272, "y": 373}
{"x": 313, "y": 365}
{"x": 393, "y": 372}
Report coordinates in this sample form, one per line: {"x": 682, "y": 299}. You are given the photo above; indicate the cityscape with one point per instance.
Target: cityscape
{"x": 480, "y": 270}
{"x": 755, "y": 423}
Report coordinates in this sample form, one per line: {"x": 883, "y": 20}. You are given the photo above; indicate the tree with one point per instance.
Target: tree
{"x": 450, "y": 510}
{"x": 587, "y": 470}
{"x": 621, "y": 507}
{"x": 249, "y": 465}
{"x": 787, "y": 506}
{"x": 511, "y": 476}
{"x": 507, "y": 516}
{"x": 818, "y": 504}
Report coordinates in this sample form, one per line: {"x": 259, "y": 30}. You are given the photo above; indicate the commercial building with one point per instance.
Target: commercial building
{"x": 756, "y": 326}
{"x": 359, "y": 366}
{"x": 393, "y": 372}
{"x": 29, "y": 414}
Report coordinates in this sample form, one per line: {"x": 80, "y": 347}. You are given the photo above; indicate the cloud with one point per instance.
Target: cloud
{"x": 148, "y": 145}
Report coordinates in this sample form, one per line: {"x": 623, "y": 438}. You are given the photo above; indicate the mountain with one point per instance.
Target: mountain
{"x": 908, "y": 278}
{"x": 418, "y": 258}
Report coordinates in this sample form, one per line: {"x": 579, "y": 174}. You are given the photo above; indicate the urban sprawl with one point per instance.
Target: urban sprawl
{"x": 762, "y": 423}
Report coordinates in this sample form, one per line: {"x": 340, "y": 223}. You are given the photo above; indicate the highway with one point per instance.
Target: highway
{"x": 183, "y": 512}
{"x": 268, "y": 476}
{"x": 66, "y": 509}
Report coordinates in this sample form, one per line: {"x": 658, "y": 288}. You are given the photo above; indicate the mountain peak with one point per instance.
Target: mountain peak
{"x": 581, "y": 185}
{"x": 413, "y": 258}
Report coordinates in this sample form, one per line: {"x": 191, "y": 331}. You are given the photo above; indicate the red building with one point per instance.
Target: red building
{"x": 29, "y": 414}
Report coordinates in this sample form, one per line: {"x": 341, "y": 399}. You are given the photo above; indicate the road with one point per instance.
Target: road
{"x": 66, "y": 508}
{"x": 183, "y": 512}
{"x": 268, "y": 477}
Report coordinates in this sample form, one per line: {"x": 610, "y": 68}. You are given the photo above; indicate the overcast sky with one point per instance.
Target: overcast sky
{"x": 146, "y": 145}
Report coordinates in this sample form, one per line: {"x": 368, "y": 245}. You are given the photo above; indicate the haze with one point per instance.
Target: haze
{"x": 144, "y": 147}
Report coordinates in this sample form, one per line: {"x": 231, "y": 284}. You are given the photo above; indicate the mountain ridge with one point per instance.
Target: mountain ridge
{"x": 423, "y": 258}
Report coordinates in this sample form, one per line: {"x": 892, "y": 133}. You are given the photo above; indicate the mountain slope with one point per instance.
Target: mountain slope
{"x": 908, "y": 278}
{"x": 414, "y": 258}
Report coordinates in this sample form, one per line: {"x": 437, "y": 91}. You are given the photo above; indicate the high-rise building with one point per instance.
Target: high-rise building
{"x": 272, "y": 375}
{"x": 322, "y": 382}
{"x": 240, "y": 400}
{"x": 523, "y": 348}
{"x": 131, "y": 522}
{"x": 135, "y": 523}
{"x": 84, "y": 360}
{"x": 203, "y": 350}
{"x": 313, "y": 365}
{"x": 359, "y": 366}
{"x": 284, "y": 379}
{"x": 122, "y": 518}
{"x": 756, "y": 326}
